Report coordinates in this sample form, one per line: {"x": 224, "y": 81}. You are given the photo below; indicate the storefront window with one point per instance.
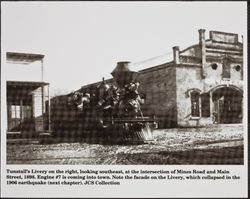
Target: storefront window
{"x": 15, "y": 111}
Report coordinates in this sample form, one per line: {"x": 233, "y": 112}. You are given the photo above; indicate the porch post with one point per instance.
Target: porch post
{"x": 42, "y": 69}
{"x": 21, "y": 110}
{"x": 21, "y": 114}
{"x": 49, "y": 117}
{"x": 43, "y": 108}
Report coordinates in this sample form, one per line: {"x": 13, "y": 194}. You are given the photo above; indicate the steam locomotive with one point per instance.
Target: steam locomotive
{"x": 110, "y": 113}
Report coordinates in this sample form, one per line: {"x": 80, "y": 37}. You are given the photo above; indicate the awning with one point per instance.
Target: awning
{"x": 24, "y": 58}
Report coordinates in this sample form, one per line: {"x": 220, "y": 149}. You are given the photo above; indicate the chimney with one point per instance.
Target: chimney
{"x": 176, "y": 54}
{"x": 202, "y": 44}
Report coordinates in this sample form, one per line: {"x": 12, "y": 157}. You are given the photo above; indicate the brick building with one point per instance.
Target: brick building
{"x": 200, "y": 85}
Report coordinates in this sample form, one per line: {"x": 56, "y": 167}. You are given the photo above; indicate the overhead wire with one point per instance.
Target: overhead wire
{"x": 152, "y": 58}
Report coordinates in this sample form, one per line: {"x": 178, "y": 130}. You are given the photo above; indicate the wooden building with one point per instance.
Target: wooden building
{"x": 26, "y": 108}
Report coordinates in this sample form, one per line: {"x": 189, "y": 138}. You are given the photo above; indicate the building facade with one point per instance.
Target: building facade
{"x": 202, "y": 85}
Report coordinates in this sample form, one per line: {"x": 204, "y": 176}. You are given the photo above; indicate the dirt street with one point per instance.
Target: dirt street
{"x": 215, "y": 145}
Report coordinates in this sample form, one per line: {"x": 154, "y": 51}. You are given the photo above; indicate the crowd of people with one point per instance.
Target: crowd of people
{"x": 111, "y": 101}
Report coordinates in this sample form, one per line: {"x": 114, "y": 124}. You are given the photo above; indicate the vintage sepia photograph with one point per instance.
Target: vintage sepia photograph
{"x": 123, "y": 83}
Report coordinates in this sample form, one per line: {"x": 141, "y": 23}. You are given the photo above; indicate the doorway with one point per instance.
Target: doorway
{"x": 227, "y": 105}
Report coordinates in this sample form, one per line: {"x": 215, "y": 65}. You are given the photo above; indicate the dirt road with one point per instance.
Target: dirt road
{"x": 220, "y": 145}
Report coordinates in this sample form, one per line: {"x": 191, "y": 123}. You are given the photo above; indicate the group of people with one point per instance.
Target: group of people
{"x": 123, "y": 102}
{"x": 111, "y": 101}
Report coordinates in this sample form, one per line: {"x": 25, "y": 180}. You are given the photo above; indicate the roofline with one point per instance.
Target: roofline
{"x": 143, "y": 70}
{"x": 27, "y": 83}
{"x": 181, "y": 51}
{"x": 24, "y": 57}
{"x": 221, "y": 32}
{"x": 157, "y": 66}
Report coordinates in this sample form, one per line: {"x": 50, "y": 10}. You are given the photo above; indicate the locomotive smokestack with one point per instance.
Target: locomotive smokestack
{"x": 122, "y": 73}
{"x": 122, "y": 66}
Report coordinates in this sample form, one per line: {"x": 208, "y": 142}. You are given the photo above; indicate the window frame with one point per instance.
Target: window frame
{"x": 15, "y": 112}
{"x": 195, "y": 94}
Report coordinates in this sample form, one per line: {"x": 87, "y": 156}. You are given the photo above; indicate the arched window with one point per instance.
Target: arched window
{"x": 195, "y": 104}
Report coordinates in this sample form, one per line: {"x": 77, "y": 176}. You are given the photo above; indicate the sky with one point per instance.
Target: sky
{"x": 83, "y": 41}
